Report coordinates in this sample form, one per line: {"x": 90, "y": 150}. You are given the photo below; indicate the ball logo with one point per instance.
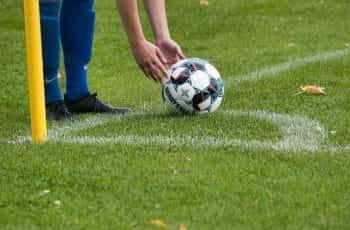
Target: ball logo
{"x": 185, "y": 92}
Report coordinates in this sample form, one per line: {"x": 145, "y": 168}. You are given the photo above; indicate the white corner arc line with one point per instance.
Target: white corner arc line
{"x": 338, "y": 149}
{"x": 58, "y": 132}
{"x": 299, "y": 134}
{"x": 286, "y": 66}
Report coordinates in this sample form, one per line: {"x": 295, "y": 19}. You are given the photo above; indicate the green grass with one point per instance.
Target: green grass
{"x": 119, "y": 186}
{"x": 166, "y": 125}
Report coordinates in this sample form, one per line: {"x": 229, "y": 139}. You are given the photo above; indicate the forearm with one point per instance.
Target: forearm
{"x": 157, "y": 14}
{"x": 130, "y": 16}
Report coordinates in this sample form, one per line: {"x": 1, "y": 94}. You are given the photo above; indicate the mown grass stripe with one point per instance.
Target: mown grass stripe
{"x": 287, "y": 66}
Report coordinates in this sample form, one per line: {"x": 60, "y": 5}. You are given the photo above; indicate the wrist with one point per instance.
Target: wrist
{"x": 161, "y": 38}
{"x": 135, "y": 42}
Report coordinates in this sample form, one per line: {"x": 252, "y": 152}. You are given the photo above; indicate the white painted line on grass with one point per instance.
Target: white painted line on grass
{"x": 295, "y": 128}
{"x": 337, "y": 149}
{"x": 299, "y": 134}
{"x": 286, "y": 66}
{"x": 61, "y": 131}
{"x": 58, "y": 130}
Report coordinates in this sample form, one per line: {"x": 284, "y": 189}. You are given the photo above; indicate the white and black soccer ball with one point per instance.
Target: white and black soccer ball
{"x": 194, "y": 86}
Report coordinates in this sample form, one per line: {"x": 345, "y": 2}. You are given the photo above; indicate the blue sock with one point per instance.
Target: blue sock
{"x": 77, "y": 30}
{"x": 76, "y": 85}
{"x": 50, "y": 35}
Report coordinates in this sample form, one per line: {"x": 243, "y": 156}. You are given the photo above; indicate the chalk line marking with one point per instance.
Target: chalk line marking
{"x": 58, "y": 131}
{"x": 299, "y": 134}
{"x": 337, "y": 149}
{"x": 286, "y": 66}
{"x": 293, "y": 142}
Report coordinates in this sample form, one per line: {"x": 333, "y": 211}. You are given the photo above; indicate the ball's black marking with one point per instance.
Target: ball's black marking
{"x": 181, "y": 78}
{"x": 169, "y": 96}
{"x": 199, "y": 98}
{"x": 214, "y": 86}
{"x": 194, "y": 65}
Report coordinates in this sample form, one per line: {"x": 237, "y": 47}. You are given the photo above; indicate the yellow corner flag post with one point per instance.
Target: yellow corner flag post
{"x": 35, "y": 71}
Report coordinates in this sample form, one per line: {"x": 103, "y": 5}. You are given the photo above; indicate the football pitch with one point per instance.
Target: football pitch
{"x": 267, "y": 159}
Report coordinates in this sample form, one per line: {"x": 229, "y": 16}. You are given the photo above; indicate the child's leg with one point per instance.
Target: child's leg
{"x": 77, "y": 31}
{"x": 50, "y": 33}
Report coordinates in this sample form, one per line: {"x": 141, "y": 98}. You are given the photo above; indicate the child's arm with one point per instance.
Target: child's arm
{"x": 157, "y": 13}
{"x": 148, "y": 56}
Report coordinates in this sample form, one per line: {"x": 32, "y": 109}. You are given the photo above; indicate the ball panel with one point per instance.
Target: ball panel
{"x": 170, "y": 101}
{"x": 168, "y": 98}
{"x": 205, "y": 105}
{"x": 185, "y": 92}
{"x": 215, "y": 104}
{"x": 200, "y": 80}
{"x": 199, "y": 98}
{"x": 216, "y": 88}
{"x": 180, "y": 75}
{"x": 186, "y": 106}
{"x": 178, "y": 64}
{"x": 212, "y": 71}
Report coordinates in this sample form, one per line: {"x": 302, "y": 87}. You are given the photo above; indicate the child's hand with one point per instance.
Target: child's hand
{"x": 151, "y": 60}
{"x": 171, "y": 51}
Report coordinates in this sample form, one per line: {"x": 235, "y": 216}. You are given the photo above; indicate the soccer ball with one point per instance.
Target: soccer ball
{"x": 194, "y": 86}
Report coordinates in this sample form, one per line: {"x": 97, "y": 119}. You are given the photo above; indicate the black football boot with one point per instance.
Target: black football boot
{"x": 91, "y": 104}
{"x": 57, "y": 111}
